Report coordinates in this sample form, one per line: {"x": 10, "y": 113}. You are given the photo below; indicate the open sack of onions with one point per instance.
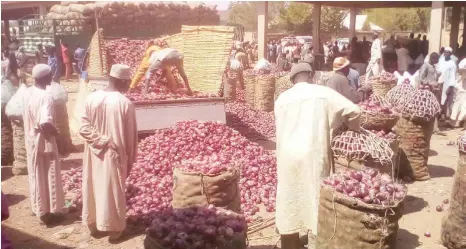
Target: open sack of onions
{"x": 419, "y": 109}
{"x": 382, "y": 83}
{"x": 454, "y": 224}
{"x": 197, "y": 227}
{"x": 206, "y": 180}
{"x": 377, "y": 114}
{"x": 359, "y": 209}
{"x": 354, "y": 149}
{"x": 150, "y": 182}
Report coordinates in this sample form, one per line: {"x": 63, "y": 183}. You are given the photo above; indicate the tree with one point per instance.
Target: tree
{"x": 400, "y": 19}
{"x": 245, "y": 13}
{"x": 331, "y": 19}
{"x": 295, "y": 17}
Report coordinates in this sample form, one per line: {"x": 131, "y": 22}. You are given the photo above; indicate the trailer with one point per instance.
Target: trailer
{"x": 157, "y": 114}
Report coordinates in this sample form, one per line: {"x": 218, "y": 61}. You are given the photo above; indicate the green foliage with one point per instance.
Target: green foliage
{"x": 245, "y": 13}
{"x": 400, "y": 19}
{"x": 331, "y": 19}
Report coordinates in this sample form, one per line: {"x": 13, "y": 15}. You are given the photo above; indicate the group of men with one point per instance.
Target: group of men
{"x": 108, "y": 127}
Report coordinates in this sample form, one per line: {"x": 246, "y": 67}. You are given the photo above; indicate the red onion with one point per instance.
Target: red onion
{"x": 150, "y": 182}
{"x": 368, "y": 185}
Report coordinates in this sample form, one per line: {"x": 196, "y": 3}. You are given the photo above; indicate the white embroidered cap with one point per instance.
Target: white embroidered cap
{"x": 40, "y": 70}
{"x": 120, "y": 71}
{"x": 449, "y": 49}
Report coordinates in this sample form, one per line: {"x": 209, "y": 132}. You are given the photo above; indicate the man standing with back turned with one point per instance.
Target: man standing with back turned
{"x": 305, "y": 117}
{"x": 46, "y": 190}
{"x": 109, "y": 129}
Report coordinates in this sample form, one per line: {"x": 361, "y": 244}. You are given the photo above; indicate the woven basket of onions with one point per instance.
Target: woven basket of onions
{"x": 377, "y": 114}
{"x": 359, "y": 209}
{"x": 453, "y": 225}
{"x": 383, "y": 83}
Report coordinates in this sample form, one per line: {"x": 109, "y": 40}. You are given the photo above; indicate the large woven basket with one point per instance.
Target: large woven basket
{"x": 250, "y": 81}
{"x": 381, "y": 87}
{"x": 97, "y": 56}
{"x": 282, "y": 84}
{"x": 378, "y": 121}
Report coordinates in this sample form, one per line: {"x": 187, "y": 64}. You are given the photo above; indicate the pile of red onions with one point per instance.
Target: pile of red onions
{"x": 386, "y": 77}
{"x": 368, "y": 186}
{"x": 130, "y": 52}
{"x": 389, "y": 135}
{"x": 207, "y": 165}
{"x": 397, "y": 95}
{"x": 150, "y": 183}
{"x": 376, "y": 106}
{"x": 197, "y": 228}
{"x": 420, "y": 104}
{"x": 251, "y": 123}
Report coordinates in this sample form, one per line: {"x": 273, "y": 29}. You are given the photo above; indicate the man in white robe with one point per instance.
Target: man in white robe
{"x": 305, "y": 117}
{"x": 375, "y": 63}
{"x": 45, "y": 185}
{"x": 458, "y": 113}
{"x": 108, "y": 127}
{"x": 447, "y": 68}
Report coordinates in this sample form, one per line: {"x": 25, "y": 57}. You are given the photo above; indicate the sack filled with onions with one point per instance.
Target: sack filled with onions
{"x": 397, "y": 95}
{"x": 197, "y": 227}
{"x": 359, "y": 209}
{"x": 383, "y": 83}
{"x": 454, "y": 224}
{"x": 377, "y": 114}
{"x": 360, "y": 147}
{"x": 391, "y": 167}
{"x": 206, "y": 180}
{"x": 419, "y": 110}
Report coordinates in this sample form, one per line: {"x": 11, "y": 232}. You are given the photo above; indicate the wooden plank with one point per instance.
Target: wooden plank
{"x": 385, "y": 4}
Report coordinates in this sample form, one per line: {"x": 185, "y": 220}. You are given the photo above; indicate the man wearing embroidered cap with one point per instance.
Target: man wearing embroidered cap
{"x": 305, "y": 117}
{"x": 108, "y": 126}
{"x": 339, "y": 80}
{"x": 45, "y": 185}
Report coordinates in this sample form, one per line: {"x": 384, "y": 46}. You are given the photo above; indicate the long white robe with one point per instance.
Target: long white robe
{"x": 374, "y": 67}
{"x": 45, "y": 185}
{"x": 109, "y": 119}
{"x": 305, "y": 117}
{"x": 459, "y": 106}
{"x": 447, "y": 77}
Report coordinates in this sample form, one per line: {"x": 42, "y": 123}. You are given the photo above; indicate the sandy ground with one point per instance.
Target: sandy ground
{"x": 419, "y": 216}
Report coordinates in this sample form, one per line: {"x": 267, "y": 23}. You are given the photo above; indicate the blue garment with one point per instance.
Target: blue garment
{"x": 353, "y": 77}
{"x": 55, "y": 65}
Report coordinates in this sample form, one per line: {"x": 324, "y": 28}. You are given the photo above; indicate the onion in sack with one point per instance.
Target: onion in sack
{"x": 197, "y": 227}
{"x": 150, "y": 182}
{"x": 367, "y": 185}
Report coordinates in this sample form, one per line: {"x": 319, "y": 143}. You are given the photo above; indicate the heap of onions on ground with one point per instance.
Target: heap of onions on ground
{"x": 150, "y": 182}
{"x": 367, "y": 185}
{"x": 250, "y": 122}
{"x": 361, "y": 146}
{"x": 198, "y": 228}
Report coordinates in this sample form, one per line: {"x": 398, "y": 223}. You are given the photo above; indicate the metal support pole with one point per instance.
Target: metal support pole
{"x": 435, "y": 30}
{"x": 262, "y": 20}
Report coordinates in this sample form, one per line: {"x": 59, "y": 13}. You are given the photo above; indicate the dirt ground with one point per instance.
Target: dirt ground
{"x": 419, "y": 216}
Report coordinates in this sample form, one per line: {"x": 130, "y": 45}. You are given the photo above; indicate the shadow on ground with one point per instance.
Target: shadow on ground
{"x": 433, "y": 153}
{"x": 413, "y": 204}
{"x": 67, "y": 164}
{"x": 14, "y": 199}
{"x": 6, "y": 172}
{"x": 440, "y": 171}
{"x": 21, "y": 240}
{"x": 407, "y": 240}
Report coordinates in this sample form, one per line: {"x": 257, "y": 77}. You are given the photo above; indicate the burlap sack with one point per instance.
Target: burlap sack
{"x": 414, "y": 148}
{"x": 250, "y": 81}
{"x": 7, "y": 139}
{"x": 264, "y": 93}
{"x": 282, "y": 84}
{"x": 239, "y": 241}
{"x": 191, "y": 189}
{"x": 19, "y": 148}
{"x": 348, "y": 223}
{"x": 64, "y": 143}
{"x": 454, "y": 223}
{"x": 229, "y": 88}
